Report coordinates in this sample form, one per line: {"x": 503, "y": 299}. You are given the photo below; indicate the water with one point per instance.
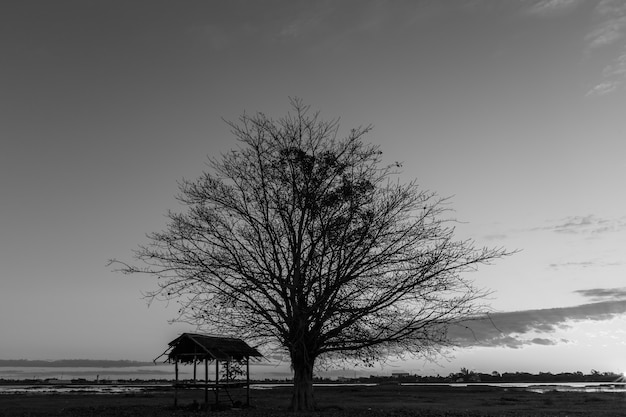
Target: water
{"x": 139, "y": 378}
{"x": 92, "y": 380}
{"x": 542, "y": 387}
{"x": 159, "y": 371}
{"x": 79, "y": 389}
{"x": 151, "y": 372}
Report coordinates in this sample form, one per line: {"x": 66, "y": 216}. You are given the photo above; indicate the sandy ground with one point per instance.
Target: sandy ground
{"x": 392, "y": 400}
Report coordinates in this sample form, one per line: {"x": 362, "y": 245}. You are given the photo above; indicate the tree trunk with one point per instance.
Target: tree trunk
{"x": 302, "y": 398}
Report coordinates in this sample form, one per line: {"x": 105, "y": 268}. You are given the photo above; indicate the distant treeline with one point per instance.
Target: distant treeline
{"x": 522, "y": 377}
{"x": 72, "y": 363}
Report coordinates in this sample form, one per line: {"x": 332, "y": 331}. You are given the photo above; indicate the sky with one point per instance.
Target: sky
{"x": 513, "y": 109}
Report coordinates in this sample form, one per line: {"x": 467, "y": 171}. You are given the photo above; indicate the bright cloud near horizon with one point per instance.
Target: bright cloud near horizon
{"x": 514, "y": 109}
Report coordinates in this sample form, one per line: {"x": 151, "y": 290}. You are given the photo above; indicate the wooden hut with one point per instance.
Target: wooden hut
{"x": 191, "y": 348}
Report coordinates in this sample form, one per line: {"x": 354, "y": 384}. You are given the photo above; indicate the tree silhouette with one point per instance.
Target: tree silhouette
{"x": 307, "y": 242}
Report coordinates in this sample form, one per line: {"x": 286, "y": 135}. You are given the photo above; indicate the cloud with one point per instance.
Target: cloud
{"x": 576, "y": 224}
{"x": 589, "y": 224}
{"x": 311, "y": 21}
{"x": 519, "y": 328}
{"x": 609, "y": 29}
{"x": 308, "y": 23}
{"x": 546, "y": 8}
{"x": 603, "y": 88}
{"x": 611, "y": 22}
{"x": 584, "y": 264}
{"x": 611, "y": 7}
{"x": 607, "y": 32}
{"x": 617, "y": 68}
{"x": 543, "y": 341}
{"x": 600, "y": 294}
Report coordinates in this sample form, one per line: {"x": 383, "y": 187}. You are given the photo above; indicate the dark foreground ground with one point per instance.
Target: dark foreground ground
{"x": 386, "y": 400}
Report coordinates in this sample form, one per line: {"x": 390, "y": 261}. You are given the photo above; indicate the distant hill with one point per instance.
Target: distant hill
{"x": 72, "y": 363}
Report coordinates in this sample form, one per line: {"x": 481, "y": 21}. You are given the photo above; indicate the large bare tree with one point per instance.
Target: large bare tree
{"x": 308, "y": 242}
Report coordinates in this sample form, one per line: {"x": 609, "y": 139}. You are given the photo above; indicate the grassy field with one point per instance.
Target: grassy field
{"x": 385, "y": 400}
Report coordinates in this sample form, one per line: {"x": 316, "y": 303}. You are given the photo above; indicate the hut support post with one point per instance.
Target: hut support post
{"x": 217, "y": 382}
{"x": 248, "y": 381}
{"x": 195, "y": 362}
{"x": 176, "y": 382}
{"x": 206, "y": 381}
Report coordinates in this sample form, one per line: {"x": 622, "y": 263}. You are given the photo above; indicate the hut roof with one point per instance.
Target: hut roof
{"x": 191, "y": 347}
